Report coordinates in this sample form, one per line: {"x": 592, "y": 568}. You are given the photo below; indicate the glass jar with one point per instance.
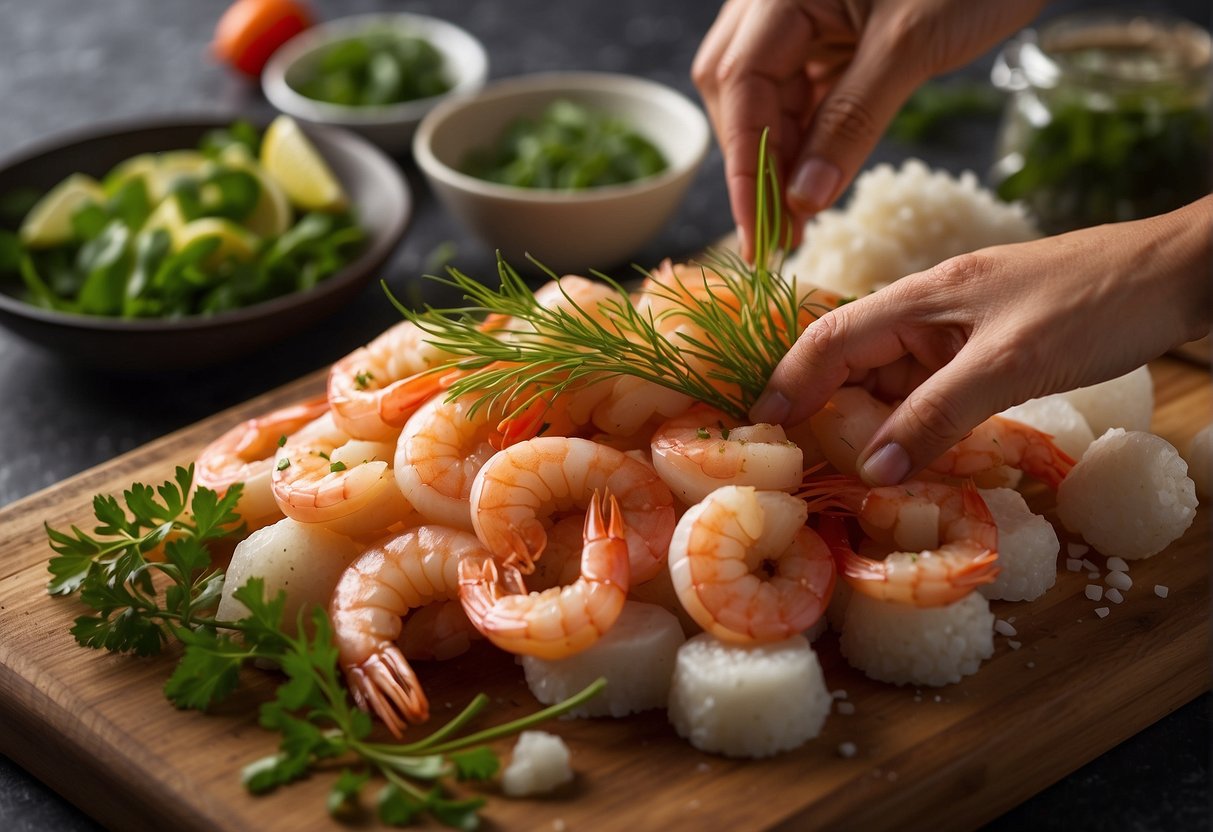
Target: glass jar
{"x": 1107, "y": 118}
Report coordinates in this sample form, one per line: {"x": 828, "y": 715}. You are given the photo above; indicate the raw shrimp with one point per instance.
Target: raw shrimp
{"x": 245, "y": 454}
{"x": 747, "y": 568}
{"x": 374, "y": 389}
{"x": 999, "y": 441}
{"x": 445, "y": 443}
{"x": 436, "y": 632}
{"x": 704, "y": 449}
{"x": 400, "y": 573}
{"x": 560, "y": 621}
{"x": 845, "y": 425}
{"x": 524, "y": 484}
{"x": 948, "y": 539}
{"x": 322, "y": 476}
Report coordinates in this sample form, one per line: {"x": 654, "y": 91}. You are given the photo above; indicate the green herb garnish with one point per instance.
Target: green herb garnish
{"x": 283, "y": 464}
{"x": 748, "y": 313}
{"x": 374, "y": 70}
{"x": 320, "y": 728}
{"x": 336, "y": 467}
{"x": 568, "y": 148}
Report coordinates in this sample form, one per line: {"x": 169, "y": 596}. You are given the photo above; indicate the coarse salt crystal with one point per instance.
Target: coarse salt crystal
{"x": 938, "y": 698}
{"x": 846, "y": 708}
{"x": 1093, "y": 592}
{"x": 1117, "y": 565}
{"x": 1094, "y": 576}
{"x": 703, "y": 768}
{"x": 847, "y": 749}
{"x": 1102, "y": 612}
{"x": 1161, "y": 591}
{"x": 1090, "y": 567}
{"x": 1114, "y": 595}
{"x": 1073, "y": 564}
{"x": 1030, "y": 665}
{"x": 1120, "y": 580}
{"x": 1015, "y": 645}
{"x": 1077, "y": 549}
{"x": 838, "y": 694}
{"x": 1003, "y": 628}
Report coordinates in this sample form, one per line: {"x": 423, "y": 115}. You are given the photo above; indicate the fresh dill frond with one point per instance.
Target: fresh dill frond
{"x": 741, "y": 319}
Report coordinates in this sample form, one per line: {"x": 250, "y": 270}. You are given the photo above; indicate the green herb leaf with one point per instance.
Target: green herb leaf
{"x": 478, "y": 763}
{"x": 343, "y": 796}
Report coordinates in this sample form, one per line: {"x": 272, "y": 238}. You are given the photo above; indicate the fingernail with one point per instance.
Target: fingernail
{"x": 813, "y": 184}
{"x": 888, "y": 466}
{"x": 771, "y": 408}
{"x": 743, "y": 241}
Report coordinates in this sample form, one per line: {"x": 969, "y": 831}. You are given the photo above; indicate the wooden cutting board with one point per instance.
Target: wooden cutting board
{"x": 98, "y": 729}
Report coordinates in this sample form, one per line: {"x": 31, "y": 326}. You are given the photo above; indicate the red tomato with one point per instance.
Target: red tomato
{"x": 250, "y": 31}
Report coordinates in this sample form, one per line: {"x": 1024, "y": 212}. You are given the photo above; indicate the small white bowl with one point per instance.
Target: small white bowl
{"x": 391, "y": 126}
{"x": 576, "y": 231}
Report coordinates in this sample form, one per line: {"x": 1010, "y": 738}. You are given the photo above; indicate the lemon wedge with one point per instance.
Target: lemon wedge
{"x": 234, "y": 241}
{"x": 168, "y": 216}
{"x": 293, "y": 161}
{"x": 49, "y": 222}
{"x": 159, "y": 171}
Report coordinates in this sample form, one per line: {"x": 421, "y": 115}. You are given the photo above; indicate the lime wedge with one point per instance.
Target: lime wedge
{"x": 293, "y": 161}
{"x": 49, "y": 222}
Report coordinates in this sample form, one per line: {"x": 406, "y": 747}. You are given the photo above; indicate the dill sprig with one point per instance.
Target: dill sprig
{"x": 742, "y": 317}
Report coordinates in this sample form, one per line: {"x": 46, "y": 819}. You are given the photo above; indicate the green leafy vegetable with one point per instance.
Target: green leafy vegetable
{"x": 375, "y": 70}
{"x": 1088, "y": 166}
{"x": 568, "y": 148}
{"x": 134, "y": 257}
{"x": 937, "y": 106}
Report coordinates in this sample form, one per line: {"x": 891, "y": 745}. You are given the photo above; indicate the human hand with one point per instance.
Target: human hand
{"x": 826, "y": 77}
{"x": 983, "y": 331}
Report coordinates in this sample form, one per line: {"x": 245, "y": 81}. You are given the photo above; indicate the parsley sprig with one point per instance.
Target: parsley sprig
{"x": 112, "y": 571}
{"x": 112, "y": 568}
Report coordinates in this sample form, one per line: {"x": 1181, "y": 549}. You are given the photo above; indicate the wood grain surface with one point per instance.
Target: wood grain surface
{"x": 98, "y": 729}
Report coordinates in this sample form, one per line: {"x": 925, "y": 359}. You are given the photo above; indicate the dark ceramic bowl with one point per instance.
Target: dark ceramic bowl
{"x": 374, "y": 184}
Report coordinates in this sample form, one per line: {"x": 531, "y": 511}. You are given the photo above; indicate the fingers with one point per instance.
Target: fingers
{"x": 840, "y": 346}
{"x": 850, "y": 120}
{"x": 933, "y": 418}
{"x": 750, "y": 73}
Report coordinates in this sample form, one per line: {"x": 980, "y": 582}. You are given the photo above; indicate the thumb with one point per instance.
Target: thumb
{"x": 849, "y": 122}
{"x": 934, "y": 417}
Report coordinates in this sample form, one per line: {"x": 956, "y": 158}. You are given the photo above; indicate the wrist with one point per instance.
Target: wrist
{"x": 1184, "y": 266}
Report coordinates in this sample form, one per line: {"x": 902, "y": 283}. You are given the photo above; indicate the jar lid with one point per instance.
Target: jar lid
{"x": 1106, "y": 48}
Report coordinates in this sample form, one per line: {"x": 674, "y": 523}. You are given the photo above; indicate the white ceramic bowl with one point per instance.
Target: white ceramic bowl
{"x": 566, "y": 231}
{"x": 391, "y": 126}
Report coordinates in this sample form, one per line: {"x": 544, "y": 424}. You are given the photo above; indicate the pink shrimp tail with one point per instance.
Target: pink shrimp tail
{"x": 836, "y": 493}
{"x": 833, "y": 531}
{"x": 607, "y": 530}
{"x": 385, "y": 684}
{"x": 1048, "y": 463}
{"x": 401, "y": 399}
